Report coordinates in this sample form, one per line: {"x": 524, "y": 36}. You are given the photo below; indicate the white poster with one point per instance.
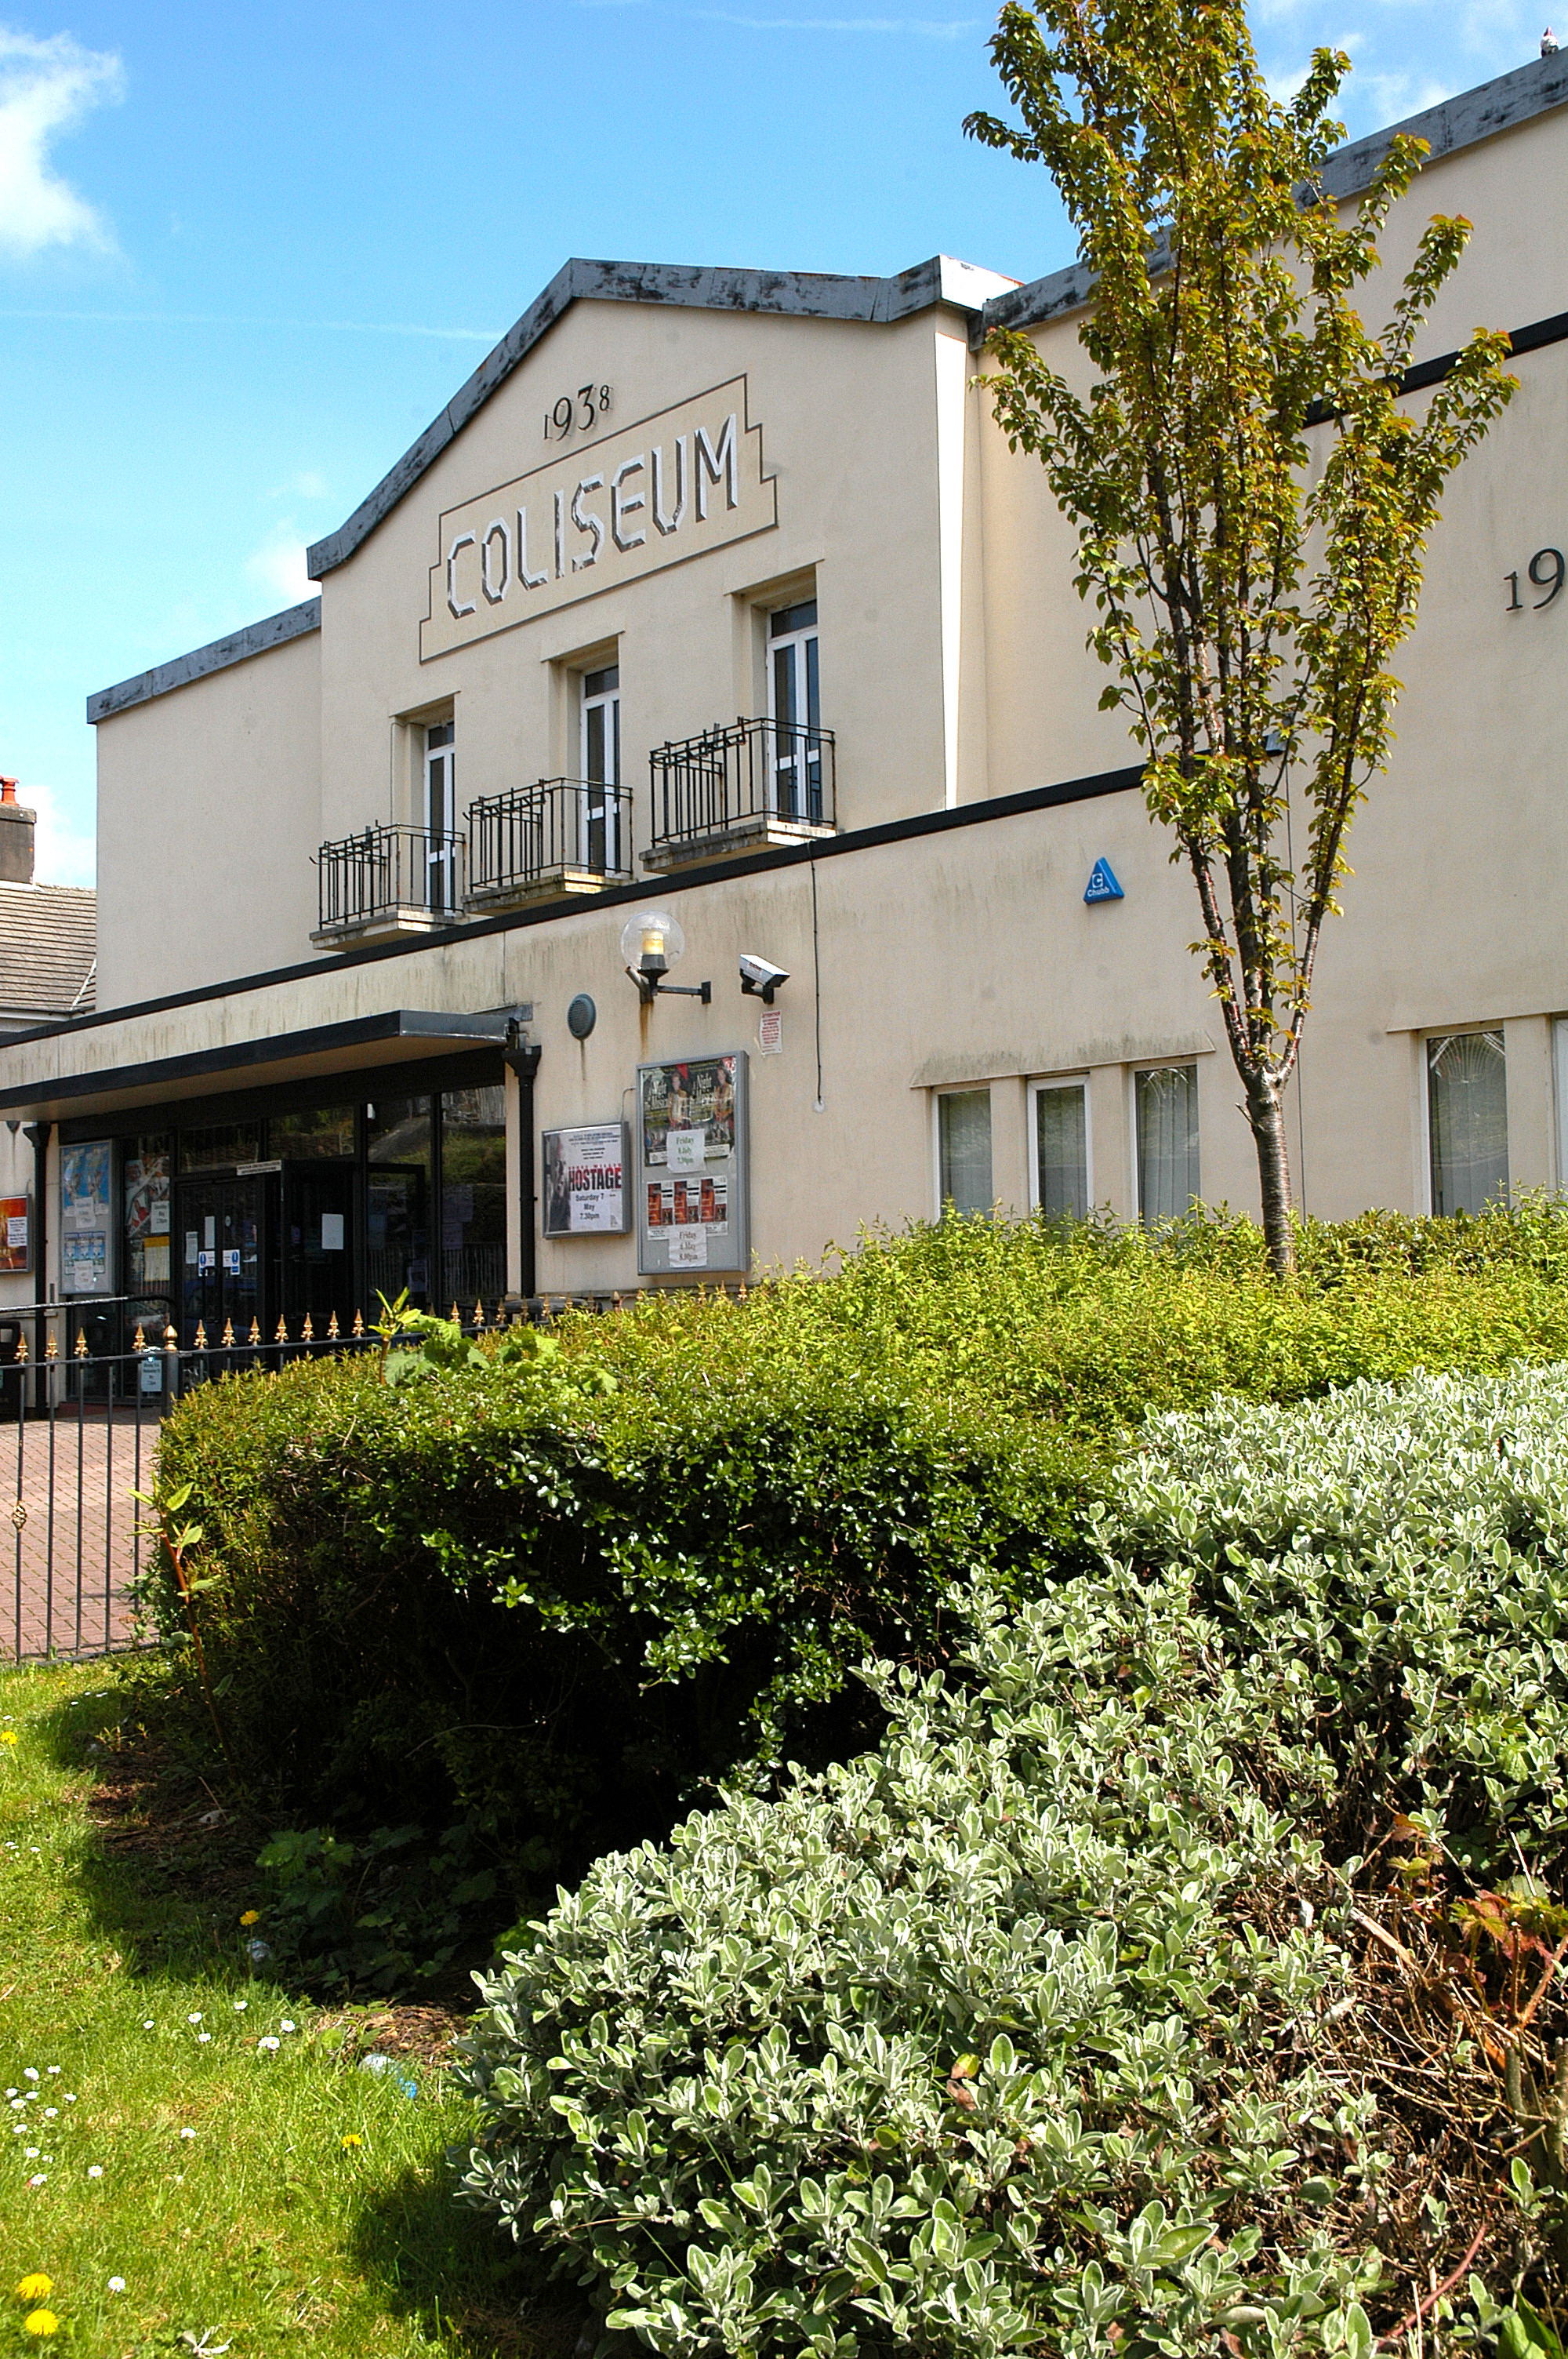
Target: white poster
{"x": 585, "y": 1181}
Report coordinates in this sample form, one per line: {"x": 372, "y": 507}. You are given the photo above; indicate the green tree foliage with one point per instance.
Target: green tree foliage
{"x": 1252, "y": 496}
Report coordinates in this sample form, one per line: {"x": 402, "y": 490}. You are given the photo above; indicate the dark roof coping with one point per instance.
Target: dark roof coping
{"x": 1453, "y": 124}
{"x": 795, "y": 294}
{"x": 254, "y": 640}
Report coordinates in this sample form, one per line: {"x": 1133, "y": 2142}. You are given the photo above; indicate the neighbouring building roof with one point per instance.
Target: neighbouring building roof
{"x": 49, "y": 948}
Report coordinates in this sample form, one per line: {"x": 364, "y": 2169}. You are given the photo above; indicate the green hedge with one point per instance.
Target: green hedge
{"x": 561, "y": 1617}
{"x": 1024, "y": 2032}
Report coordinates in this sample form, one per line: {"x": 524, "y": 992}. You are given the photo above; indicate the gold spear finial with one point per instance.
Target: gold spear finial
{"x": 332, "y": 1327}
{"x": 308, "y": 1333}
{"x": 228, "y": 1334}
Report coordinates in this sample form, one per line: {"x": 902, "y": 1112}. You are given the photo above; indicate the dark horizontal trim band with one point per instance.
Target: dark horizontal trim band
{"x": 719, "y": 872}
{"x": 411, "y": 1024}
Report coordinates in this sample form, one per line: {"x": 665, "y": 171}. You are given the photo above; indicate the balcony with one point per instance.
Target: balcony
{"x": 391, "y": 884}
{"x": 740, "y": 789}
{"x": 559, "y": 836}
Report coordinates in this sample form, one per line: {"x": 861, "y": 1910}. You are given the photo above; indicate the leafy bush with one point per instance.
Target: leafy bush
{"x": 562, "y": 1612}
{"x": 1046, "y": 2023}
{"x": 1392, "y": 1565}
{"x": 555, "y": 1592}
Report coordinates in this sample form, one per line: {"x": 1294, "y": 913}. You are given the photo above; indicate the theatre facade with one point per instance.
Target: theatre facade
{"x": 682, "y": 830}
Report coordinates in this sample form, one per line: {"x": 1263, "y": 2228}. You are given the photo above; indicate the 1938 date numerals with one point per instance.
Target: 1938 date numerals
{"x": 1545, "y": 572}
{"x": 575, "y": 413}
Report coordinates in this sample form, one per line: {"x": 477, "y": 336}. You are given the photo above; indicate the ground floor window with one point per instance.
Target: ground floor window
{"x": 300, "y": 1211}
{"x": 1166, "y": 1111}
{"x": 964, "y": 1150}
{"x": 1062, "y": 1150}
{"x": 474, "y": 1196}
{"x": 1467, "y": 1120}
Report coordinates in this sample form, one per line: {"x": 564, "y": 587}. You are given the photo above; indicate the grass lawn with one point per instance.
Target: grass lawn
{"x": 271, "y": 2198}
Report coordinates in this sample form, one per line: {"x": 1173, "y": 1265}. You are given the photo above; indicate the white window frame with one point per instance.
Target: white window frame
{"x": 438, "y": 758}
{"x": 804, "y": 777}
{"x": 1428, "y": 1193}
{"x": 1157, "y": 1065}
{"x": 1060, "y": 1082}
{"x": 958, "y": 1090}
{"x": 597, "y": 809}
{"x": 1560, "y": 1097}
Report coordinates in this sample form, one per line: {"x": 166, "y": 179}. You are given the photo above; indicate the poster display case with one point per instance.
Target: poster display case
{"x": 16, "y": 1234}
{"x": 86, "y": 1263}
{"x": 693, "y": 1166}
{"x": 585, "y": 1181}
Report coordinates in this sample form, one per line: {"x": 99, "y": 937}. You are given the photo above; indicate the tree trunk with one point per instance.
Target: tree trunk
{"x": 1266, "y": 1113}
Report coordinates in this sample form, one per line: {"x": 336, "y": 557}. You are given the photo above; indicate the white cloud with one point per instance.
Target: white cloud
{"x": 46, "y": 86}
{"x": 65, "y": 850}
{"x": 279, "y": 564}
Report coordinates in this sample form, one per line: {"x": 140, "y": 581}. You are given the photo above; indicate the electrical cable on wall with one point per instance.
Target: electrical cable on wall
{"x": 816, "y": 982}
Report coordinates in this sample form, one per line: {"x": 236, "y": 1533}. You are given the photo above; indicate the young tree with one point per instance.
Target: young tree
{"x": 1252, "y": 493}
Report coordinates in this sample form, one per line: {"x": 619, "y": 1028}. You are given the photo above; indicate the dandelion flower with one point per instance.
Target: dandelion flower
{"x": 40, "y": 2321}
{"x": 251, "y": 1916}
{"x": 117, "y": 2285}
{"x": 352, "y": 2137}
{"x": 7, "y": 1736}
{"x": 36, "y": 2288}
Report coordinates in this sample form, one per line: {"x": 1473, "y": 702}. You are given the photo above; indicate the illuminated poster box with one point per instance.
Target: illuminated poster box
{"x": 693, "y": 1166}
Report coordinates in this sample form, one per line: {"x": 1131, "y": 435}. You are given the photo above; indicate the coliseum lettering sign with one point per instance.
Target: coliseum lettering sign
{"x": 687, "y": 480}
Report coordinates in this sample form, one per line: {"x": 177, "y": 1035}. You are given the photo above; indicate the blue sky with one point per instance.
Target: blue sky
{"x": 246, "y": 252}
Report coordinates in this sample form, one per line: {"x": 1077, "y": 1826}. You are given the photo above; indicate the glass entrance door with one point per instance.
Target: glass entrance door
{"x": 223, "y": 1233}
{"x": 318, "y": 1245}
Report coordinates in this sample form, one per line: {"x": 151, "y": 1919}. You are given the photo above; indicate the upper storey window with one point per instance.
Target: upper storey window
{"x": 440, "y": 812}
{"x": 600, "y": 752}
{"x": 795, "y": 707}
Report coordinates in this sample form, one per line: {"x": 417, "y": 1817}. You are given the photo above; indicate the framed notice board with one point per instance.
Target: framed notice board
{"x": 15, "y": 1232}
{"x": 585, "y": 1181}
{"x": 693, "y": 1166}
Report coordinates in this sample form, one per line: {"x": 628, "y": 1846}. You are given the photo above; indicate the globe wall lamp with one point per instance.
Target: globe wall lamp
{"x": 651, "y": 942}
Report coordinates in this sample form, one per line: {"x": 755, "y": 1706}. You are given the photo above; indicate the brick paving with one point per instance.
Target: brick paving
{"x": 68, "y": 1538}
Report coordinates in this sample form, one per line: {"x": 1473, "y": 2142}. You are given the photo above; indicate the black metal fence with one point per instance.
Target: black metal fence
{"x": 547, "y": 833}
{"x": 386, "y": 873}
{"x": 748, "y": 776}
{"x": 78, "y": 1438}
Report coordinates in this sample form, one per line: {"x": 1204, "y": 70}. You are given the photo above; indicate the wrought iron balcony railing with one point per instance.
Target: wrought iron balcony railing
{"x": 560, "y": 835}
{"x": 389, "y": 881}
{"x": 736, "y": 786}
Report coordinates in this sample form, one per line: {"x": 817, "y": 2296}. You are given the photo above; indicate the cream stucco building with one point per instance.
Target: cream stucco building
{"x": 393, "y": 1039}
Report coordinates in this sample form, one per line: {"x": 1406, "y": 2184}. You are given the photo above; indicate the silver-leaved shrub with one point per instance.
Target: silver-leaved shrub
{"x": 1007, "y": 2038}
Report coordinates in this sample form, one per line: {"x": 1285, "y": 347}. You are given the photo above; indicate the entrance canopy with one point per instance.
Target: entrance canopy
{"x": 401, "y": 1037}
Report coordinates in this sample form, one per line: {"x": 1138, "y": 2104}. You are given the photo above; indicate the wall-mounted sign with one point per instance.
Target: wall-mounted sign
{"x": 692, "y": 1165}
{"x": 84, "y": 1175}
{"x": 585, "y": 1181}
{"x": 1103, "y": 884}
{"x": 15, "y": 1232}
{"x": 646, "y": 496}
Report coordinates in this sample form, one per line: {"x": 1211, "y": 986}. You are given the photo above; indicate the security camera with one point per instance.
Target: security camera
{"x": 760, "y": 976}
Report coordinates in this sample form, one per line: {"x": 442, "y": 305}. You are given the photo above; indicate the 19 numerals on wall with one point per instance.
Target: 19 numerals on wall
{"x": 1545, "y": 572}
{"x": 578, "y": 412}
